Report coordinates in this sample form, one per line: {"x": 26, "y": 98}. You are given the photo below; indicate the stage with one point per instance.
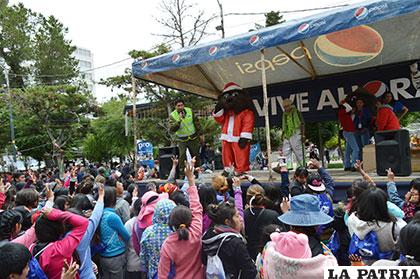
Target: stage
{"x": 342, "y": 180}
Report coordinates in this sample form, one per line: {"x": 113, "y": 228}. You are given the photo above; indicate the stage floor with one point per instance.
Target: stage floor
{"x": 338, "y": 175}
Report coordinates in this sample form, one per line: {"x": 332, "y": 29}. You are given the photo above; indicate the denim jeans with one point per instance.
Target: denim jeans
{"x": 362, "y": 139}
{"x": 352, "y": 149}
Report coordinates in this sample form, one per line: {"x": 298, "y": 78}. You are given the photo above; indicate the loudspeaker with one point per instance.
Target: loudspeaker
{"x": 218, "y": 163}
{"x": 393, "y": 151}
{"x": 165, "y": 161}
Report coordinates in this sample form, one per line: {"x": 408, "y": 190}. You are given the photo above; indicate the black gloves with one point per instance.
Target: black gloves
{"x": 243, "y": 142}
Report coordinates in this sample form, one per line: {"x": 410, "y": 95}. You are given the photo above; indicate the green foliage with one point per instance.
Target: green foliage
{"x": 107, "y": 138}
{"x": 332, "y": 142}
{"x": 327, "y": 130}
{"x": 16, "y": 45}
{"x": 210, "y": 130}
{"x": 410, "y": 117}
{"x": 273, "y": 18}
{"x": 50, "y": 120}
{"x": 53, "y": 53}
{"x": 34, "y": 45}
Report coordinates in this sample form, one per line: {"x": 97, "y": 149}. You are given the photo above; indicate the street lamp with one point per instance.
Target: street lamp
{"x": 12, "y": 127}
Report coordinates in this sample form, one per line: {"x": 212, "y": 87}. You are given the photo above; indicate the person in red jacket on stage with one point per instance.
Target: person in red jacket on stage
{"x": 234, "y": 111}
{"x": 386, "y": 119}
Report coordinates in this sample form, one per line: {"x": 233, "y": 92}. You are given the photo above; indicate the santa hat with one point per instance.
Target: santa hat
{"x": 231, "y": 86}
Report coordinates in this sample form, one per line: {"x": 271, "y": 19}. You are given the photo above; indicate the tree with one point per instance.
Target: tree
{"x": 185, "y": 24}
{"x": 54, "y": 63}
{"x": 159, "y": 95}
{"x": 35, "y": 47}
{"x": 17, "y": 27}
{"x": 107, "y": 138}
{"x": 56, "y": 115}
{"x": 273, "y": 18}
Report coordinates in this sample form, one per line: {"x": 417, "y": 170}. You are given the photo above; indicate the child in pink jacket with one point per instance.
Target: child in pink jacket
{"x": 180, "y": 255}
{"x": 48, "y": 231}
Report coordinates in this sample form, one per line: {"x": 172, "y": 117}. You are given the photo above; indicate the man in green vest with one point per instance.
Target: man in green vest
{"x": 185, "y": 126}
{"x": 293, "y": 133}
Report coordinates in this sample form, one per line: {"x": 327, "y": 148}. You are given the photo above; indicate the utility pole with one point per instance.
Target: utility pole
{"x": 134, "y": 101}
{"x": 221, "y": 27}
{"x": 9, "y": 96}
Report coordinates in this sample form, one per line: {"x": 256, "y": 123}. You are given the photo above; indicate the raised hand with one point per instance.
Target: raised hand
{"x": 391, "y": 175}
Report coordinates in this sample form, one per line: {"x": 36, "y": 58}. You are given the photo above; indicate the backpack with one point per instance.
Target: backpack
{"x": 215, "y": 269}
{"x": 35, "y": 270}
{"x": 334, "y": 243}
{"x": 326, "y": 206}
{"x": 368, "y": 248}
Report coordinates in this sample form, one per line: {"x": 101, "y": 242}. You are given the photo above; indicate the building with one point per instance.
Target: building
{"x": 85, "y": 58}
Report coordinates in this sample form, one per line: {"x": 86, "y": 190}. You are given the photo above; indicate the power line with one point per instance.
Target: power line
{"x": 174, "y": 39}
{"x": 289, "y": 11}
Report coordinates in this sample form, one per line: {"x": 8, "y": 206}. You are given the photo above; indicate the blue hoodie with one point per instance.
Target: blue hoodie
{"x": 154, "y": 236}
{"x": 111, "y": 229}
{"x": 86, "y": 268}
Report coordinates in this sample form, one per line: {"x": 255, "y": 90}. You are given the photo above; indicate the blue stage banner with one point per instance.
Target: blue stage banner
{"x": 318, "y": 99}
{"x": 291, "y": 31}
{"x": 145, "y": 153}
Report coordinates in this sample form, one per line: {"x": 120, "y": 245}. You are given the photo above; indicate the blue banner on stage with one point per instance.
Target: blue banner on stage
{"x": 145, "y": 153}
{"x": 318, "y": 99}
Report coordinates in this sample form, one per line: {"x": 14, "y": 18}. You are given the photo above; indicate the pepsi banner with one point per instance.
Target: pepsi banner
{"x": 318, "y": 99}
{"x": 290, "y": 31}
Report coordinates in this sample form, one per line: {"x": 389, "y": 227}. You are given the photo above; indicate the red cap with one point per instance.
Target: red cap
{"x": 230, "y": 86}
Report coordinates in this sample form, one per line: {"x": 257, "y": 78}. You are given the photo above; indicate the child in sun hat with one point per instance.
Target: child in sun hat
{"x": 305, "y": 216}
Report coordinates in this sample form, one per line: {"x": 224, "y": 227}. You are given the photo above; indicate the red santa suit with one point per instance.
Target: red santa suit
{"x": 234, "y": 127}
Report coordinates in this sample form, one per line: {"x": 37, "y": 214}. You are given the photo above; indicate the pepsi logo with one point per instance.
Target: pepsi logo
{"x": 376, "y": 87}
{"x": 303, "y": 28}
{"x": 213, "y": 50}
{"x": 144, "y": 65}
{"x": 176, "y": 58}
{"x": 361, "y": 13}
{"x": 254, "y": 39}
{"x": 349, "y": 47}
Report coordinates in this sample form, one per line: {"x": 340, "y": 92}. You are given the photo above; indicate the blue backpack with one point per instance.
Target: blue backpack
{"x": 325, "y": 204}
{"x": 368, "y": 248}
{"x": 334, "y": 243}
{"x": 35, "y": 270}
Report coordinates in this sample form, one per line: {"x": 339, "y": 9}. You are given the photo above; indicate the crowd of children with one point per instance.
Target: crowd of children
{"x": 106, "y": 226}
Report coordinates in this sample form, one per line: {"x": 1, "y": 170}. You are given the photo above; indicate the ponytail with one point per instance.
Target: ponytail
{"x": 180, "y": 220}
{"x": 256, "y": 197}
{"x": 219, "y": 213}
{"x": 182, "y": 232}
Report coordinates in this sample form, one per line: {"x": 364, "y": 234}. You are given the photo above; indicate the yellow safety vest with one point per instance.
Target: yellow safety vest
{"x": 187, "y": 127}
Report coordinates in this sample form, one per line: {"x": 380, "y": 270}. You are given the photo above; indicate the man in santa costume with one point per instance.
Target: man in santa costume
{"x": 234, "y": 111}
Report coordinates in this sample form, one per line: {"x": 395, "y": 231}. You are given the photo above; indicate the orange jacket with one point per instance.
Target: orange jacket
{"x": 386, "y": 119}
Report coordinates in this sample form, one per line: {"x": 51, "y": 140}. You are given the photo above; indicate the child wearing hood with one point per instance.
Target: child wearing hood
{"x": 288, "y": 255}
{"x": 144, "y": 219}
{"x": 154, "y": 236}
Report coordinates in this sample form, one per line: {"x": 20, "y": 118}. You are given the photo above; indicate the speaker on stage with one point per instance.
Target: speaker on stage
{"x": 165, "y": 161}
{"x": 218, "y": 163}
{"x": 393, "y": 151}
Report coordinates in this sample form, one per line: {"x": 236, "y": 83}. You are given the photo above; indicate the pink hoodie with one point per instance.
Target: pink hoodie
{"x": 185, "y": 255}
{"x": 278, "y": 266}
{"x": 52, "y": 259}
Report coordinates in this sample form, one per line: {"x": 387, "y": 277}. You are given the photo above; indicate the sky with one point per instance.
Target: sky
{"x": 110, "y": 29}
